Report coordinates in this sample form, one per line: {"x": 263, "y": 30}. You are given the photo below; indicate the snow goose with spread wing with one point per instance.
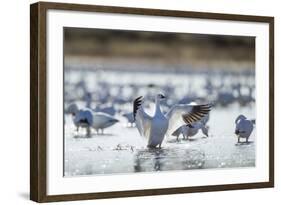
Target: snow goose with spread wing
{"x": 190, "y": 130}
{"x": 155, "y": 127}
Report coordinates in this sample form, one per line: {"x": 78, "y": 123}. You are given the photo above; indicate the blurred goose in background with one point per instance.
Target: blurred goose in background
{"x": 102, "y": 121}
{"x": 88, "y": 98}
{"x": 110, "y": 110}
{"x": 209, "y": 87}
{"x": 244, "y": 98}
{"x": 226, "y": 97}
{"x": 87, "y": 118}
{"x": 190, "y": 130}
{"x": 130, "y": 118}
{"x": 81, "y": 117}
{"x": 155, "y": 127}
{"x": 244, "y": 127}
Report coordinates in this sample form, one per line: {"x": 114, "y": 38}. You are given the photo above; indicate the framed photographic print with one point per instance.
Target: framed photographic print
{"x": 134, "y": 102}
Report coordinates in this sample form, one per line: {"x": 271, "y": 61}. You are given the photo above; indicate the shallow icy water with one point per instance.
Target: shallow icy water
{"x": 122, "y": 150}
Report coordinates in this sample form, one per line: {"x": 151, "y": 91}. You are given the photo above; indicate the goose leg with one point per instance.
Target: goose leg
{"x": 238, "y": 140}
{"x": 88, "y": 131}
{"x": 205, "y": 131}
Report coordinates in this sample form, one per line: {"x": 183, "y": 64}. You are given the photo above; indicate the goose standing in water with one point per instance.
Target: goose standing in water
{"x": 81, "y": 117}
{"x": 243, "y": 128}
{"x": 155, "y": 127}
{"x": 87, "y": 118}
{"x": 130, "y": 118}
{"x": 102, "y": 121}
{"x": 190, "y": 130}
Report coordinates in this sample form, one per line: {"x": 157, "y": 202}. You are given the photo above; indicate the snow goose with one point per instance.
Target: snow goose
{"x": 130, "y": 118}
{"x": 190, "y": 130}
{"x": 81, "y": 117}
{"x": 155, "y": 127}
{"x": 102, "y": 121}
{"x": 87, "y": 118}
{"x": 245, "y": 98}
{"x": 243, "y": 128}
{"x": 110, "y": 110}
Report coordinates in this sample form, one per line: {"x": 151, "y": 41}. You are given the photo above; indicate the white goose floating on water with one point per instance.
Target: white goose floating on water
{"x": 155, "y": 127}
{"x": 86, "y": 118}
{"x": 244, "y": 127}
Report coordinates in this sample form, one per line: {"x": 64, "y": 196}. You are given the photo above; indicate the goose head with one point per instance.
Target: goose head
{"x": 72, "y": 109}
{"x": 160, "y": 97}
{"x": 240, "y": 117}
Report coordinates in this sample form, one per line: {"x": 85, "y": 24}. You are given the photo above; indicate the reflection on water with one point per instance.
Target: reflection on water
{"x": 148, "y": 160}
{"x": 122, "y": 150}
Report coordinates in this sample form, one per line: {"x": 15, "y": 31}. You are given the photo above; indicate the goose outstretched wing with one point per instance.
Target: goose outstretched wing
{"x": 142, "y": 119}
{"x": 186, "y": 114}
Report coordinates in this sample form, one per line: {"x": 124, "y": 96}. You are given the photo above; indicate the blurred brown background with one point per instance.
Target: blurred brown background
{"x": 177, "y": 48}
